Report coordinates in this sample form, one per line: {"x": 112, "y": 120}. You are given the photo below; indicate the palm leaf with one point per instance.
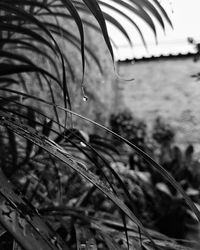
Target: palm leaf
{"x": 33, "y": 27}
{"x": 148, "y": 159}
{"x": 158, "y": 167}
{"x": 60, "y": 153}
{"x": 77, "y": 19}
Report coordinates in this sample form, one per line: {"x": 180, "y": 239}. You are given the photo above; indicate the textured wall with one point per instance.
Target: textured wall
{"x": 164, "y": 87}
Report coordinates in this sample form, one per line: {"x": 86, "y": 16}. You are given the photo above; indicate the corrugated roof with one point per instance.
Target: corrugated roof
{"x": 161, "y": 56}
{"x": 160, "y": 50}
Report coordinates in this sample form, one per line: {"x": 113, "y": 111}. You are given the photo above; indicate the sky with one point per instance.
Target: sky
{"x": 185, "y": 16}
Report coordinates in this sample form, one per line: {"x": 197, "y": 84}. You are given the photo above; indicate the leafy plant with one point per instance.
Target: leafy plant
{"x": 37, "y": 140}
{"x": 169, "y": 215}
{"x": 128, "y": 127}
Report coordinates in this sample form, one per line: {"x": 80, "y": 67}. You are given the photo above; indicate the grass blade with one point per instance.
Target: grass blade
{"x": 96, "y": 11}
{"x": 77, "y": 19}
{"x": 148, "y": 159}
{"x": 55, "y": 150}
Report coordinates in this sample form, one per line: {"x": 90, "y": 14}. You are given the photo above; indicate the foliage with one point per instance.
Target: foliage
{"x": 128, "y": 127}
{"x": 169, "y": 215}
{"x": 196, "y": 45}
{"x": 43, "y": 203}
{"x": 163, "y": 133}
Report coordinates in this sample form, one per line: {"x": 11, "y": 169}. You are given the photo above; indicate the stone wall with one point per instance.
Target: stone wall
{"x": 163, "y": 87}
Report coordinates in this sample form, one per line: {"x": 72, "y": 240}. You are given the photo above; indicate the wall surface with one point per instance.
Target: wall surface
{"x": 164, "y": 87}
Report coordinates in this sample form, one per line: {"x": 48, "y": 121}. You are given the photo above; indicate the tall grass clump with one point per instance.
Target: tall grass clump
{"x": 57, "y": 187}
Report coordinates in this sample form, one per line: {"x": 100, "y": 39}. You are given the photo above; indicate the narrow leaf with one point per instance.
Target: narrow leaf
{"x": 148, "y": 159}
{"x": 31, "y": 122}
{"x": 96, "y": 11}
{"x": 60, "y": 153}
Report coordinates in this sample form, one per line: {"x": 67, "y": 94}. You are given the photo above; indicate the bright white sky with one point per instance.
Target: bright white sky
{"x": 185, "y": 16}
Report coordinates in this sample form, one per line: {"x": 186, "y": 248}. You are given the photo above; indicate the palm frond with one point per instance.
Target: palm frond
{"x": 34, "y": 43}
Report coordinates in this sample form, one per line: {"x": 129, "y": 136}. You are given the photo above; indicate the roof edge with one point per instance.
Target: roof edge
{"x": 151, "y": 58}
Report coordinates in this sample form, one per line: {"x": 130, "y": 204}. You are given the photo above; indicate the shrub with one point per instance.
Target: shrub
{"x": 169, "y": 214}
